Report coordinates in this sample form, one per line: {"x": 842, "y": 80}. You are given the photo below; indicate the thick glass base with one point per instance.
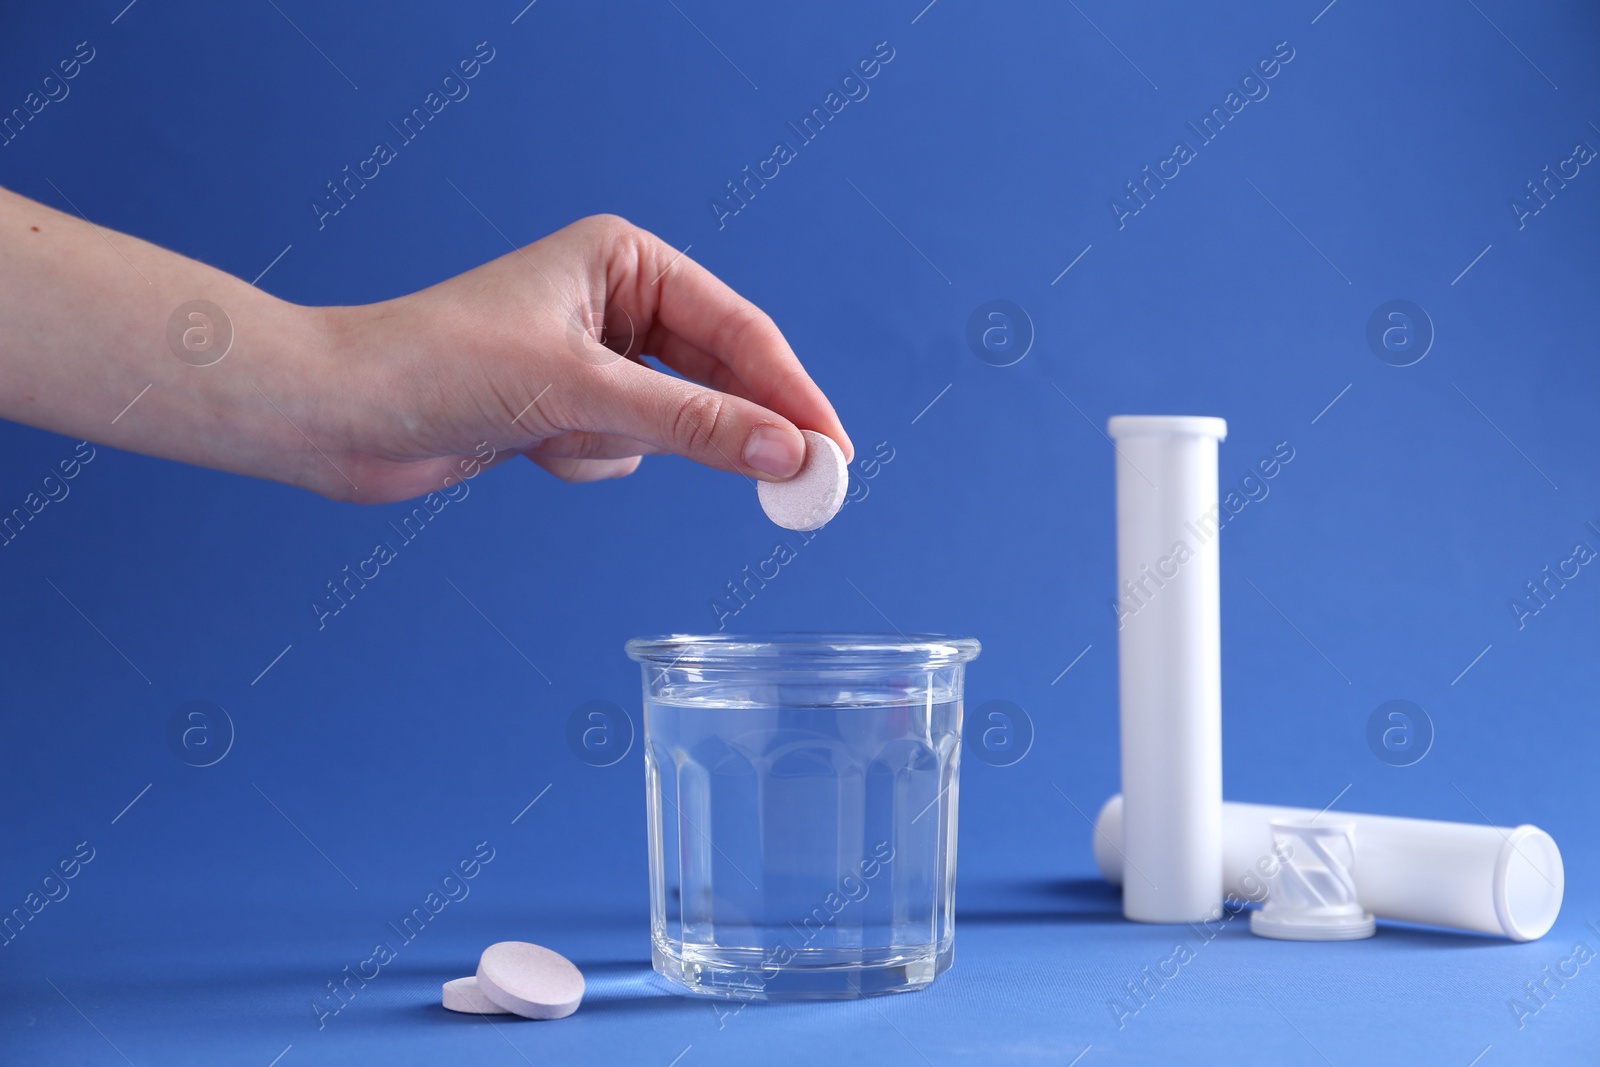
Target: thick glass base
{"x": 749, "y": 974}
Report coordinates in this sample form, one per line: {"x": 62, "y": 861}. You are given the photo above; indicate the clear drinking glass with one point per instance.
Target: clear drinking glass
{"x": 802, "y": 810}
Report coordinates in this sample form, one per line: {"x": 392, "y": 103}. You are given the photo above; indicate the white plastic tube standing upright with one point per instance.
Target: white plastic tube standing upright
{"x": 1169, "y": 639}
{"x": 1501, "y": 880}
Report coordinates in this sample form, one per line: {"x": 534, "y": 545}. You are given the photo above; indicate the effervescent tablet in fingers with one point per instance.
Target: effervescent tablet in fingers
{"x": 815, "y": 494}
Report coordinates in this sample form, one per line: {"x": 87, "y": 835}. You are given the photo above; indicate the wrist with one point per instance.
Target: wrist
{"x": 308, "y": 402}
{"x": 366, "y": 373}
{"x": 361, "y": 367}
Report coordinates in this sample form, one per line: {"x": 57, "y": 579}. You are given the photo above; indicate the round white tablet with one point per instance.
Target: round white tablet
{"x": 530, "y": 981}
{"x": 812, "y": 497}
{"x": 463, "y": 994}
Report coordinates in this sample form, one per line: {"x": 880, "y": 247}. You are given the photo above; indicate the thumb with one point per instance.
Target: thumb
{"x": 717, "y": 429}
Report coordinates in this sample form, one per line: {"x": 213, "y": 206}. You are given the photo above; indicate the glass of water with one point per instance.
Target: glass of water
{"x": 802, "y": 795}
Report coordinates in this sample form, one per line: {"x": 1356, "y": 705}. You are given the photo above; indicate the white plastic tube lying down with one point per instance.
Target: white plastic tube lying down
{"x": 1505, "y": 881}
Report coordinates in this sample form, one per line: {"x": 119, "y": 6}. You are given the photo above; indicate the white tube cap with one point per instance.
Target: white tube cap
{"x": 1120, "y": 426}
{"x": 1313, "y": 895}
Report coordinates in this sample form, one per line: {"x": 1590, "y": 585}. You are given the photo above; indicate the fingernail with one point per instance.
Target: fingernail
{"x": 775, "y": 451}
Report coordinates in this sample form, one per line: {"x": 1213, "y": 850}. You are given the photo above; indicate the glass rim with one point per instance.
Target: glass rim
{"x": 796, "y": 649}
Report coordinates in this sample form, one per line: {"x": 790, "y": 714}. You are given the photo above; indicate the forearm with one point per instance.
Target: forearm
{"x": 85, "y": 351}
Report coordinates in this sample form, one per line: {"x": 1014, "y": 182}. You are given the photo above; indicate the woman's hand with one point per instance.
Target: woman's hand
{"x": 511, "y": 354}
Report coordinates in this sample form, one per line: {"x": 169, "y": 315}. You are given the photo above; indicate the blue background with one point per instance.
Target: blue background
{"x": 378, "y": 751}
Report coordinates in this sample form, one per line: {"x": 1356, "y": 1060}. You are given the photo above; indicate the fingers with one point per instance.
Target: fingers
{"x": 698, "y": 323}
{"x": 717, "y": 429}
{"x": 587, "y": 470}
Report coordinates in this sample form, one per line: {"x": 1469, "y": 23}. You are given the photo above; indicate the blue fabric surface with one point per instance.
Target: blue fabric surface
{"x": 1387, "y": 158}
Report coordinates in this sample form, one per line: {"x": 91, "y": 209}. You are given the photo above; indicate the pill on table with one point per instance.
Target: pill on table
{"x": 814, "y": 495}
{"x": 463, "y": 994}
{"x": 529, "y": 980}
